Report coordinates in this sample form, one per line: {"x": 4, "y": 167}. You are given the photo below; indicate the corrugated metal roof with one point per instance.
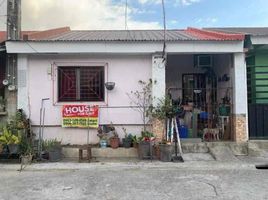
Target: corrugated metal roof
{"x": 189, "y": 34}
{"x": 122, "y": 35}
{"x": 255, "y": 31}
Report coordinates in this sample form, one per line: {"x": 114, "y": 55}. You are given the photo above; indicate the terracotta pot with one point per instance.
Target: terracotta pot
{"x": 114, "y": 142}
{"x": 135, "y": 145}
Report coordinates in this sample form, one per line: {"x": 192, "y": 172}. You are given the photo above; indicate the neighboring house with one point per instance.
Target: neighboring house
{"x": 256, "y": 44}
{"x": 71, "y": 67}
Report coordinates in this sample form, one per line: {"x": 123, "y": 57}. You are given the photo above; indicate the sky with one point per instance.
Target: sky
{"x": 141, "y": 14}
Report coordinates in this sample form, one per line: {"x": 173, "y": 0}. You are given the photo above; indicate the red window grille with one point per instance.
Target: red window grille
{"x": 80, "y": 84}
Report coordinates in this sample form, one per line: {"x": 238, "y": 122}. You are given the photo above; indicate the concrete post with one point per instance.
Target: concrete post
{"x": 240, "y": 114}
{"x": 158, "y": 91}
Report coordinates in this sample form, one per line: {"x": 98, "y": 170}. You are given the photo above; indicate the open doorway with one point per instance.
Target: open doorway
{"x": 203, "y": 86}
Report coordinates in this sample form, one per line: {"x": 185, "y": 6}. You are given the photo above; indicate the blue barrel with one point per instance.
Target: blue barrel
{"x": 183, "y": 131}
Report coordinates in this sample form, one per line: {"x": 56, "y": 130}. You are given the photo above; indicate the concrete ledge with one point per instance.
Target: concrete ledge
{"x": 115, "y": 153}
{"x": 69, "y": 152}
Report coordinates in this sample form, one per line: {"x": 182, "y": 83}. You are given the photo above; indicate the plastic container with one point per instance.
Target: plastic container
{"x": 224, "y": 110}
{"x": 103, "y": 143}
{"x": 183, "y": 131}
{"x": 190, "y": 133}
{"x": 204, "y": 115}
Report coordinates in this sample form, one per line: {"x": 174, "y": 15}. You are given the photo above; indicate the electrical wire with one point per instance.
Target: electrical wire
{"x": 164, "y": 30}
{"x": 129, "y": 35}
{"x": 126, "y": 14}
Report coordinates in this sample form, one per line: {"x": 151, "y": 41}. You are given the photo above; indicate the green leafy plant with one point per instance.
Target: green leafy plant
{"x": 136, "y": 139}
{"x": 146, "y": 136}
{"x": 8, "y": 137}
{"x": 164, "y": 109}
{"x": 127, "y": 135}
{"x": 51, "y": 144}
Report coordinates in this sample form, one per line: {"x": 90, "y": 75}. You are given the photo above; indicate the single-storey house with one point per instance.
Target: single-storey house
{"x": 204, "y": 69}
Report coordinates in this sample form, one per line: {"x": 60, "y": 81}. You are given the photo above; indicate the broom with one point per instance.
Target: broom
{"x": 177, "y": 158}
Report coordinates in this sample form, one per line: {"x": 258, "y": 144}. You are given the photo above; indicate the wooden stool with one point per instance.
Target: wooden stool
{"x": 88, "y": 156}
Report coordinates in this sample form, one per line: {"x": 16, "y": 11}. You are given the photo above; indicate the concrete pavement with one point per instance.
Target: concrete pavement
{"x": 136, "y": 180}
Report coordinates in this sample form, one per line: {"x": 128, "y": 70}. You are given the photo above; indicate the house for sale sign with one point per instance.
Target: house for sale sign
{"x": 80, "y": 116}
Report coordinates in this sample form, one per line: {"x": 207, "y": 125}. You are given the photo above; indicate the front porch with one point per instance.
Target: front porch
{"x": 211, "y": 89}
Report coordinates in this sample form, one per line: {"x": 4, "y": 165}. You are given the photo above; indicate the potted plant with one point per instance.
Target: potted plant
{"x": 127, "y": 140}
{"x": 145, "y": 145}
{"x": 103, "y": 138}
{"x": 165, "y": 110}
{"x": 26, "y": 150}
{"x": 12, "y": 141}
{"x": 166, "y": 151}
{"x": 114, "y": 140}
{"x": 54, "y": 149}
{"x": 135, "y": 141}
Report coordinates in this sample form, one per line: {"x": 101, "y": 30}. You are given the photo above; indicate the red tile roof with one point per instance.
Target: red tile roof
{"x": 213, "y": 35}
{"x": 37, "y": 35}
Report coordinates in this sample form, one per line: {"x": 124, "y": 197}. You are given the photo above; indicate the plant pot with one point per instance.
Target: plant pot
{"x": 114, "y": 142}
{"x": 135, "y": 145}
{"x": 103, "y": 143}
{"x": 1, "y": 148}
{"x": 157, "y": 152}
{"x": 127, "y": 142}
{"x": 54, "y": 154}
{"x": 5, "y": 149}
{"x": 166, "y": 151}
{"x": 13, "y": 148}
{"x": 45, "y": 155}
{"x": 144, "y": 150}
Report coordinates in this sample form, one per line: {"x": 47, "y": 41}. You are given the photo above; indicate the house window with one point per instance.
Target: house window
{"x": 84, "y": 83}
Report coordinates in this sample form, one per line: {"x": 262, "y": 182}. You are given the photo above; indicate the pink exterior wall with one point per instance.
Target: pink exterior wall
{"x": 124, "y": 70}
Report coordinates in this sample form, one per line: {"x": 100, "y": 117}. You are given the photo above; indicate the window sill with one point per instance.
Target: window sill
{"x": 81, "y": 103}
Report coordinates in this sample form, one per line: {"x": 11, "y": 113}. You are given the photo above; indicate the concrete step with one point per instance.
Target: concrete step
{"x": 222, "y": 153}
{"x": 258, "y": 148}
{"x": 196, "y": 147}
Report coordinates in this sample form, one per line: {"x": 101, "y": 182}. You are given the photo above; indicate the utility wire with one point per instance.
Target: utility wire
{"x": 126, "y": 15}
{"x": 164, "y": 24}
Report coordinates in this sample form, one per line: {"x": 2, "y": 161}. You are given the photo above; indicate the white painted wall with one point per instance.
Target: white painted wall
{"x": 177, "y": 65}
{"x": 124, "y": 70}
{"x": 158, "y": 78}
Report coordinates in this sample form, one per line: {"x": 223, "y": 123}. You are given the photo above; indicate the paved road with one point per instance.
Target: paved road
{"x": 190, "y": 180}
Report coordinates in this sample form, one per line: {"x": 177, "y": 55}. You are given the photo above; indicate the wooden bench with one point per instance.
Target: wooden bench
{"x": 88, "y": 154}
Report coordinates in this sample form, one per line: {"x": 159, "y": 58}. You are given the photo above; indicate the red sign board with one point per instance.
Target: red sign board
{"x": 82, "y": 116}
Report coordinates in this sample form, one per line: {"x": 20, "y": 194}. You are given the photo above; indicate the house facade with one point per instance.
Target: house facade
{"x": 205, "y": 70}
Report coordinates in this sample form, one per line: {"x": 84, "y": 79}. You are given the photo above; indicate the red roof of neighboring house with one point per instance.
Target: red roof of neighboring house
{"x": 37, "y": 35}
{"x": 213, "y": 35}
